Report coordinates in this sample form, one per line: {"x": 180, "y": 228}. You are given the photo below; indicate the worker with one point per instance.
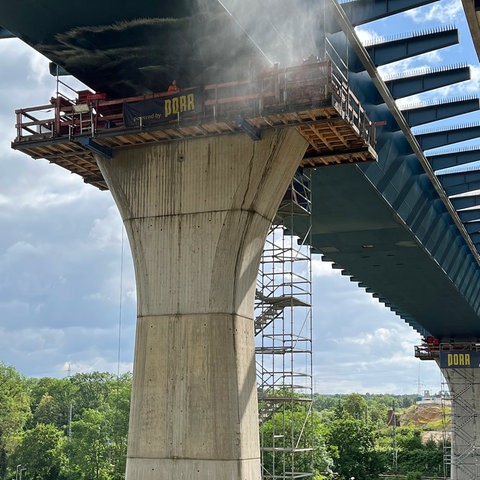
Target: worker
{"x": 173, "y": 87}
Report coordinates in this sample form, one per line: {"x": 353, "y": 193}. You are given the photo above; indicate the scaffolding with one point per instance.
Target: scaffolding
{"x": 283, "y": 327}
{"x": 458, "y": 361}
{"x": 464, "y": 460}
{"x": 446, "y": 434}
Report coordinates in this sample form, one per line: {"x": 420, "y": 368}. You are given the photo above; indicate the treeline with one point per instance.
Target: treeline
{"x": 62, "y": 429}
{"x": 76, "y": 428}
{"x": 357, "y": 436}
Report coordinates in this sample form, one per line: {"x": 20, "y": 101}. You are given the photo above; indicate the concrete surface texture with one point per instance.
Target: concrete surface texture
{"x": 197, "y": 212}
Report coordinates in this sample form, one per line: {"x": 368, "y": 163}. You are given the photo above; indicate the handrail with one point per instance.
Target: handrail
{"x": 277, "y": 88}
{"x": 431, "y": 350}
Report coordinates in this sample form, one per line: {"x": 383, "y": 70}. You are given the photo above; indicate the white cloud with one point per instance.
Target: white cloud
{"x": 39, "y": 71}
{"x": 444, "y": 11}
{"x": 377, "y": 337}
{"x": 321, "y": 268}
{"x": 365, "y": 34}
{"x": 20, "y": 249}
{"x": 107, "y": 232}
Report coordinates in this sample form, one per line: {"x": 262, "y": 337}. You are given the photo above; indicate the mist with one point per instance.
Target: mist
{"x": 286, "y": 31}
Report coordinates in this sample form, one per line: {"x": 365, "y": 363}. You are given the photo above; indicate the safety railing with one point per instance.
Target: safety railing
{"x": 431, "y": 350}
{"x": 308, "y": 86}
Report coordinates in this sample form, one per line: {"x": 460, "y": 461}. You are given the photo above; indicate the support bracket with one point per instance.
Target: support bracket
{"x": 89, "y": 143}
{"x": 252, "y": 131}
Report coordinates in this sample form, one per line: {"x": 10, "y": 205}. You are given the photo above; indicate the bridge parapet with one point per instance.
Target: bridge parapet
{"x": 314, "y": 98}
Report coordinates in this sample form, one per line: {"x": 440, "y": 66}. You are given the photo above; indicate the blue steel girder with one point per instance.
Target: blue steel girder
{"x": 94, "y": 147}
{"x": 427, "y": 80}
{"x": 431, "y": 294}
{"x": 460, "y": 265}
{"x": 476, "y": 238}
{"x": 471, "y": 215}
{"x": 4, "y": 33}
{"x": 453, "y": 159}
{"x": 472, "y": 227}
{"x": 467, "y": 201}
{"x": 363, "y": 11}
{"x": 436, "y": 240}
{"x": 460, "y": 182}
{"x": 405, "y": 145}
{"x": 440, "y": 138}
{"x": 439, "y": 111}
{"x": 390, "y": 51}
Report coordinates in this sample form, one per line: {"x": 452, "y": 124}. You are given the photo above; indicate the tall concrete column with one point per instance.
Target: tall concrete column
{"x": 197, "y": 212}
{"x": 464, "y": 386}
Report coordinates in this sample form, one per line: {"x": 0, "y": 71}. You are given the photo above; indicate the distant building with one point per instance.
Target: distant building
{"x": 436, "y": 399}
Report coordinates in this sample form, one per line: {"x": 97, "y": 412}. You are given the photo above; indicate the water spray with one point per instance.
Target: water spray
{"x": 246, "y": 33}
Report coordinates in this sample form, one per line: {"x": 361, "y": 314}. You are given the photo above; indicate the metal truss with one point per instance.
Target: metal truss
{"x": 465, "y": 462}
{"x": 283, "y": 326}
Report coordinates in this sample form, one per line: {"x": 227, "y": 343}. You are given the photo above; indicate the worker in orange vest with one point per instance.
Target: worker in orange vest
{"x": 173, "y": 87}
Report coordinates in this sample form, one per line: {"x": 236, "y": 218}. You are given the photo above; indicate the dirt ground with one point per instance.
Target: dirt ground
{"x": 422, "y": 416}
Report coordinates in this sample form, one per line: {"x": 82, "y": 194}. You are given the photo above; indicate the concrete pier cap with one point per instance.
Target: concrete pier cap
{"x": 197, "y": 212}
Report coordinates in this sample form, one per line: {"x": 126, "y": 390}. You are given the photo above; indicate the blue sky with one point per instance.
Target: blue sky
{"x": 67, "y": 292}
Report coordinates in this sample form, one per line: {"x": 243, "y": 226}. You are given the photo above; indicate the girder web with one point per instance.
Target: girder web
{"x": 283, "y": 326}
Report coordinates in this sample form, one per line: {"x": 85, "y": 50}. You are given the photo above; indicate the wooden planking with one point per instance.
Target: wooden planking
{"x": 332, "y": 139}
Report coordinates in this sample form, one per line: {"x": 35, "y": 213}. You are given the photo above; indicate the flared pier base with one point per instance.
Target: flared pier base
{"x": 197, "y": 212}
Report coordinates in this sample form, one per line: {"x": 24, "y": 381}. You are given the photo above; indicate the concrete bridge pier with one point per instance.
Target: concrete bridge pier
{"x": 197, "y": 212}
{"x": 464, "y": 386}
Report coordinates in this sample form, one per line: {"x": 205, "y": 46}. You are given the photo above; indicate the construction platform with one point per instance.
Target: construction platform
{"x": 313, "y": 98}
{"x": 432, "y": 349}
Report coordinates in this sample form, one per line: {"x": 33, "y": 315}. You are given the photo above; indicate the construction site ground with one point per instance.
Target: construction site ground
{"x": 430, "y": 418}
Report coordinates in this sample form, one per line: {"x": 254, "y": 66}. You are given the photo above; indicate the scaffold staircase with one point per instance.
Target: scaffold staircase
{"x": 446, "y": 430}
{"x": 283, "y": 327}
{"x": 463, "y": 422}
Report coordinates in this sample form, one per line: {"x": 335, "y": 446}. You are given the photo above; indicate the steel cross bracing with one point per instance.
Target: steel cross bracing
{"x": 448, "y": 232}
{"x": 424, "y": 225}
{"x": 283, "y": 327}
{"x": 387, "y": 51}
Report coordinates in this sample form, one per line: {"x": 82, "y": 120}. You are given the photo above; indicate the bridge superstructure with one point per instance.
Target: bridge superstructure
{"x": 401, "y": 227}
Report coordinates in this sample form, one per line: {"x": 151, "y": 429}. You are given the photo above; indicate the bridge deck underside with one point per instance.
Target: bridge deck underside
{"x": 377, "y": 250}
{"x": 349, "y": 210}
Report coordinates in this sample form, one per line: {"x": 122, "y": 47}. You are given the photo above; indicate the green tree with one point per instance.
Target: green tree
{"x": 117, "y": 415}
{"x": 40, "y": 452}
{"x": 417, "y": 456}
{"x": 325, "y": 402}
{"x": 3, "y": 462}
{"x": 88, "y": 448}
{"x": 50, "y": 401}
{"x": 14, "y": 412}
{"x": 91, "y": 391}
{"x": 355, "y": 405}
{"x": 378, "y": 406}
{"x": 46, "y": 411}
{"x": 290, "y": 432}
{"x": 351, "y": 443}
